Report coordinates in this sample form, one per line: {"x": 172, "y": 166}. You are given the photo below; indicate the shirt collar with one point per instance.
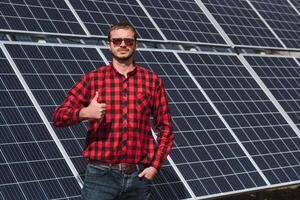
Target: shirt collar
{"x": 113, "y": 69}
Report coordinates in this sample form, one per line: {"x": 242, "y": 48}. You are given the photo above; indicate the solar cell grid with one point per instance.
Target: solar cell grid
{"x": 281, "y": 76}
{"x": 205, "y": 153}
{"x": 30, "y": 161}
{"x": 282, "y": 18}
{"x": 39, "y": 16}
{"x": 241, "y": 23}
{"x": 98, "y": 16}
{"x": 183, "y": 21}
{"x": 252, "y": 116}
{"x": 50, "y": 71}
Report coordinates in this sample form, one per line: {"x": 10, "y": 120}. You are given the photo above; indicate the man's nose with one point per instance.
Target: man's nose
{"x": 123, "y": 44}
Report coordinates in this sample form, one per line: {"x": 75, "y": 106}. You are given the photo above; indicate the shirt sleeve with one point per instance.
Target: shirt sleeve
{"x": 163, "y": 125}
{"x": 68, "y": 112}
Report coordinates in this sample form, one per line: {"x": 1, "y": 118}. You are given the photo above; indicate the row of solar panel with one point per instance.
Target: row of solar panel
{"x": 252, "y": 23}
{"x": 231, "y": 134}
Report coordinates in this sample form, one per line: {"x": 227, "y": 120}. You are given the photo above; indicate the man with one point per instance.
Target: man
{"x": 118, "y": 100}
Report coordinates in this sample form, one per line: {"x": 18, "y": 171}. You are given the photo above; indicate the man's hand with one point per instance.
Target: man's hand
{"x": 148, "y": 173}
{"x": 94, "y": 110}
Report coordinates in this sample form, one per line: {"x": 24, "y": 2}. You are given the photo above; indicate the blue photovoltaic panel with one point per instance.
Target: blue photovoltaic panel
{"x": 47, "y": 16}
{"x": 241, "y": 23}
{"x": 183, "y": 21}
{"x": 99, "y": 15}
{"x": 205, "y": 152}
{"x": 281, "y": 75}
{"x": 282, "y": 18}
{"x": 262, "y": 130}
{"x": 167, "y": 185}
{"x": 31, "y": 165}
{"x": 50, "y": 71}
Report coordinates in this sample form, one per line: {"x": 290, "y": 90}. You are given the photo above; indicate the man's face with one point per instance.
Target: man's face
{"x": 122, "y": 44}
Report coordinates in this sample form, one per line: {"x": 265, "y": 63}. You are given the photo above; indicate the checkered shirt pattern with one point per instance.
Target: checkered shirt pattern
{"x": 124, "y": 134}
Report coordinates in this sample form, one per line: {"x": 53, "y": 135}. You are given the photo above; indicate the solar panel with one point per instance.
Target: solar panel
{"x": 241, "y": 23}
{"x": 98, "y": 16}
{"x": 183, "y": 21}
{"x": 50, "y": 71}
{"x": 52, "y": 16}
{"x": 262, "y": 130}
{"x": 282, "y": 18}
{"x": 281, "y": 76}
{"x": 31, "y": 165}
{"x": 205, "y": 153}
{"x": 233, "y": 134}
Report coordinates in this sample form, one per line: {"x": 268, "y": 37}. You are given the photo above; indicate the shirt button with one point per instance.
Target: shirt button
{"x": 125, "y": 85}
{"x": 125, "y": 110}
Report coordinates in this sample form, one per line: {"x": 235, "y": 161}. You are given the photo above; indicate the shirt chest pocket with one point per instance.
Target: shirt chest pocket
{"x": 143, "y": 102}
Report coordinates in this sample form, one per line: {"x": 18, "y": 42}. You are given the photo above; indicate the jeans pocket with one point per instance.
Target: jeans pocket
{"x": 96, "y": 171}
{"x": 98, "y": 183}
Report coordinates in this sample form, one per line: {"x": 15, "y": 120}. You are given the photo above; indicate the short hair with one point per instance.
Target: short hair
{"x": 121, "y": 25}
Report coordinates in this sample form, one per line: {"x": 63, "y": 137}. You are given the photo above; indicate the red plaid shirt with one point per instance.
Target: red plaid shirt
{"x": 124, "y": 135}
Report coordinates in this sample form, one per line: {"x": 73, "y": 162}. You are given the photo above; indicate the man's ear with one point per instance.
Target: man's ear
{"x": 135, "y": 45}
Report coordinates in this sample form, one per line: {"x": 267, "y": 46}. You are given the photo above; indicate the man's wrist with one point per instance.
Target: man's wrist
{"x": 82, "y": 113}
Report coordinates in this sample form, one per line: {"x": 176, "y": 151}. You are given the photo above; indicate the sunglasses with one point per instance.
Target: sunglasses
{"x": 118, "y": 41}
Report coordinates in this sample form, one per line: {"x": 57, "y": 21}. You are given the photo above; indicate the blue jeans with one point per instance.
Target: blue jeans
{"x": 104, "y": 183}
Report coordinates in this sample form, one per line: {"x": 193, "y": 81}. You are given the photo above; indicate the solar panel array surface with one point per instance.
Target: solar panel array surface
{"x": 281, "y": 76}
{"x": 50, "y": 71}
{"x": 241, "y": 23}
{"x": 183, "y": 21}
{"x": 260, "y": 127}
{"x": 31, "y": 165}
{"x": 231, "y": 135}
{"x": 46, "y": 16}
{"x": 282, "y": 18}
{"x": 205, "y": 154}
{"x": 98, "y": 16}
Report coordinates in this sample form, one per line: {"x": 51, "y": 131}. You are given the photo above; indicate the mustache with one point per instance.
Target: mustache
{"x": 123, "y": 58}
{"x": 123, "y": 48}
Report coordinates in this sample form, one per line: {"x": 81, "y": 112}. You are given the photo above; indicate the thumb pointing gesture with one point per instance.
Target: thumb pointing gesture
{"x": 94, "y": 110}
{"x": 95, "y": 97}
